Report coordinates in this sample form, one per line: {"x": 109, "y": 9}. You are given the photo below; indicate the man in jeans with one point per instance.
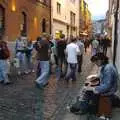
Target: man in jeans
{"x": 61, "y": 46}
{"x": 43, "y": 57}
{"x": 80, "y": 55}
{"x": 72, "y": 51}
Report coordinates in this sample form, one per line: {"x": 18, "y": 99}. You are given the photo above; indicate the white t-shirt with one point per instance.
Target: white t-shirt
{"x": 81, "y": 47}
{"x": 72, "y": 51}
{"x": 95, "y": 43}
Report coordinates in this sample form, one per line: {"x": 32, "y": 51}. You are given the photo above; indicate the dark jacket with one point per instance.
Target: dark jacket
{"x": 43, "y": 51}
{"x": 61, "y": 46}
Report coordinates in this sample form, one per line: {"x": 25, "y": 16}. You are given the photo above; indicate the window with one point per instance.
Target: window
{"x": 2, "y": 20}
{"x": 24, "y": 23}
{"x": 73, "y": 1}
{"x": 43, "y": 25}
{"x": 45, "y": 2}
{"x": 72, "y": 18}
{"x": 58, "y": 8}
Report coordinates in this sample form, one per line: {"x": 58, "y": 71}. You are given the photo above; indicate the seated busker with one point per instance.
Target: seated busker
{"x": 108, "y": 81}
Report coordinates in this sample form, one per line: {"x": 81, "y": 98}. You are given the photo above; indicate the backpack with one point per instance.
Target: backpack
{"x": 4, "y": 51}
{"x": 88, "y": 104}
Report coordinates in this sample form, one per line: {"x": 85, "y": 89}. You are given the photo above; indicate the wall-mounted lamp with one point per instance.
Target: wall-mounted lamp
{"x": 35, "y": 19}
{"x": 13, "y": 5}
{"x": 35, "y": 22}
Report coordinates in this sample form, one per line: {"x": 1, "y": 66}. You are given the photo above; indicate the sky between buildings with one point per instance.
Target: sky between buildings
{"x": 98, "y": 8}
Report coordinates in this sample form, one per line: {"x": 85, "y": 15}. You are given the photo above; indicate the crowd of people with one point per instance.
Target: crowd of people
{"x": 65, "y": 54}
{"x": 48, "y": 52}
{"x": 100, "y": 45}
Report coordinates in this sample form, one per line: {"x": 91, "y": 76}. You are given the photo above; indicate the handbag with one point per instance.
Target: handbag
{"x": 85, "y": 104}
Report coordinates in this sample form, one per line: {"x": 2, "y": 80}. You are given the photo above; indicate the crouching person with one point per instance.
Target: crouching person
{"x": 107, "y": 87}
{"x": 97, "y": 98}
{"x": 4, "y": 56}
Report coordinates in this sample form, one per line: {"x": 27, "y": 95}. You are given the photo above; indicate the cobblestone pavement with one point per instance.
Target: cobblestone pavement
{"x": 23, "y": 101}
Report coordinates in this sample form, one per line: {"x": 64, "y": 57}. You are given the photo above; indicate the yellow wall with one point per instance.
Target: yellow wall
{"x": 85, "y": 17}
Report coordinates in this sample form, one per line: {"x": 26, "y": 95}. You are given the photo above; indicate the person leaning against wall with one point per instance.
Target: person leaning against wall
{"x": 4, "y": 56}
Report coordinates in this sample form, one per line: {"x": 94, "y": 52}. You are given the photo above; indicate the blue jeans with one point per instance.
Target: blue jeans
{"x": 71, "y": 74}
{"x": 43, "y": 78}
{"x": 22, "y": 58}
{"x": 29, "y": 64}
{"x": 94, "y": 51}
{"x": 3, "y": 71}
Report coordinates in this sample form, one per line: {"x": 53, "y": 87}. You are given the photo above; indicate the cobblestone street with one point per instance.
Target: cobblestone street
{"x": 48, "y": 51}
{"x": 23, "y": 101}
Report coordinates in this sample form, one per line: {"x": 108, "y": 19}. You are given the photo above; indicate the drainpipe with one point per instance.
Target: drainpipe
{"x": 115, "y": 33}
{"x": 50, "y": 17}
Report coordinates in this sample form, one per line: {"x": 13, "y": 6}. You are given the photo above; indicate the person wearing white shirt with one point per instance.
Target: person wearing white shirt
{"x": 95, "y": 45}
{"x": 72, "y": 51}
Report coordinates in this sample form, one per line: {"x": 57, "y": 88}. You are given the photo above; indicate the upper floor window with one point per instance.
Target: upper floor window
{"x": 43, "y": 25}
{"x": 2, "y": 20}
{"x": 73, "y": 1}
{"x": 24, "y": 23}
{"x": 72, "y": 18}
{"x": 58, "y": 8}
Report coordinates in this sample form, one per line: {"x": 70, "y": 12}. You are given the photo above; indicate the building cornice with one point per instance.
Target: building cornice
{"x": 60, "y": 21}
{"x": 42, "y": 3}
{"x": 64, "y": 23}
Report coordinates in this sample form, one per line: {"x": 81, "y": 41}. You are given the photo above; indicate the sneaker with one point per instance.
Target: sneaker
{"x": 33, "y": 71}
{"x": 74, "y": 80}
{"x": 46, "y": 84}
{"x": 7, "y": 83}
{"x": 19, "y": 73}
{"x": 67, "y": 80}
{"x": 79, "y": 71}
{"x": 1, "y": 81}
{"x": 26, "y": 72}
{"x": 102, "y": 118}
{"x": 39, "y": 86}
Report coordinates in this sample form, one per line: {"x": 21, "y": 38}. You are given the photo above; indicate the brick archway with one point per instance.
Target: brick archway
{"x": 23, "y": 24}
{"x": 2, "y": 20}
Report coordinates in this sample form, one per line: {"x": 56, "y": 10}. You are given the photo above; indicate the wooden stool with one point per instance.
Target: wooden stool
{"x": 104, "y": 106}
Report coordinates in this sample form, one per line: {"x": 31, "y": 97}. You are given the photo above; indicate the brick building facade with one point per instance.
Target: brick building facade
{"x": 31, "y": 17}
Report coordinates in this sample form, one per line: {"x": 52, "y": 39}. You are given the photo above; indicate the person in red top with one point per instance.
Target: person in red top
{"x": 4, "y": 56}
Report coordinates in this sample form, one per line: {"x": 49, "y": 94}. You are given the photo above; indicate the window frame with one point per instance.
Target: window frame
{"x": 2, "y": 29}
{"x": 58, "y": 8}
